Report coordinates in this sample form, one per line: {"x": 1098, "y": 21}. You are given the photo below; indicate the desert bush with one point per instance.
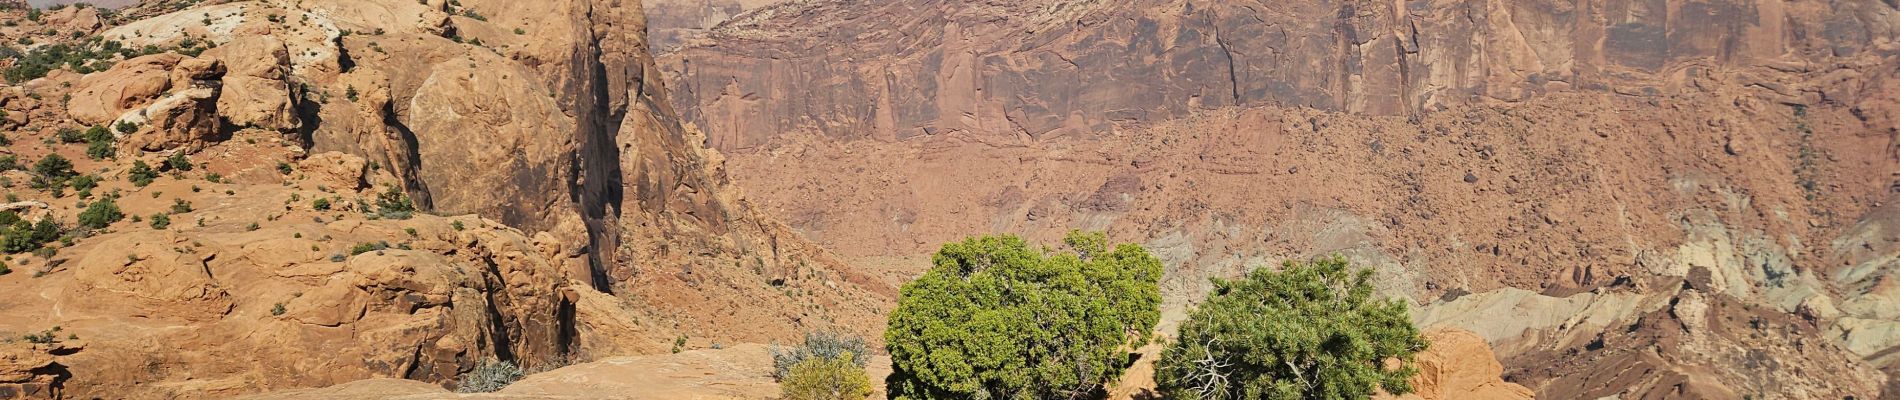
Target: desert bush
{"x": 53, "y": 171}
{"x": 819, "y": 344}
{"x": 100, "y": 214}
{"x": 361, "y": 248}
{"x": 178, "y": 162}
{"x": 489, "y": 376}
{"x": 827, "y": 378}
{"x": 141, "y": 174}
{"x": 996, "y": 318}
{"x": 161, "y": 221}
{"x": 19, "y": 236}
{"x": 1311, "y": 331}
{"x": 394, "y": 204}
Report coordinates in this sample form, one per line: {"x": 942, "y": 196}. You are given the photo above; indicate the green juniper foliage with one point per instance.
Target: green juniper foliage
{"x": 100, "y": 214}
{"x": 141, "y": 173}
{"x": 1311, "y": 331}
{"x": 998, "y": 319}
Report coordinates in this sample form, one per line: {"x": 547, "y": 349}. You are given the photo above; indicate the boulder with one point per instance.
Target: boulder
{"x": 335, "y": 170}
{"x": 102, "y": 97}
{"x": 255, "y": 91}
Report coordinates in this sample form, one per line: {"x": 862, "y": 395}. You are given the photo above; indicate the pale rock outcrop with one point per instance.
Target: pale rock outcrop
{"x": 335, "y": 170}
{"x": 102, "y": 97}
{"x": 188, "y": 117}
{"x": 173, "y": 98}
{"x": 256, "y": 92}
{"x": 1459, "y": 365}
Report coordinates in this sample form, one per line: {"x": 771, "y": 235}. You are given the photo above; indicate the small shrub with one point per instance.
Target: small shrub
{"x": 394, "y": 204}
{"x": 679, "y": 344}
{"x": 1311, "y": 331}
{"x": 84, "y": 183}
{"x": 489, "y": 376}
{"x": 100, "y": 214}
{"x": 141, "y": 174}
{"x": 100, "y": 150}
{"x": 54, "y": 168}
{"x": 70, "y": 135}
{"x": 283, "y": 168}
{"x": 161, "y": 221}
{"x": 180, "y": 206}
{"x": 178, "y": 162}
{"x": 818, "y": 344}
{"x": 456, "y": 224}
{"x": 361, "y": 248}
{"x": 44, "y": 337}
{"x": 277, "y": 309}
{"x": 96, "y": 134}
{"x": 9, "y": 162}
{"x": 252, "y": 227}
{"x": 827, "y": 378}
{"x": 127, "y": 127}
{"x": 320, "y": 204}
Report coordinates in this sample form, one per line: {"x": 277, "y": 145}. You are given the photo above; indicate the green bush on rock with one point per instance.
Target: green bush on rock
{"x": 1311, "y": 331}
{"x": 998, "y": 319}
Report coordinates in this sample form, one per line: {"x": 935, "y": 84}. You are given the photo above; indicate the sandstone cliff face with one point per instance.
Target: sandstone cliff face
{"x": 588, "y": 222}
{"x": 1537, "y": 171}
{"x": 901, "y": 69}
{"x": 671, "y": 23}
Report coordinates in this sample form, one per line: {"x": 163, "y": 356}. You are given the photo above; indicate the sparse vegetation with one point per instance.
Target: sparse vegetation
{"x": 320, "y": 204}
{"x": 489, "y": 376}
{"x": 52, "y": 172}
{"x": 361, "y": 248}
{"x": 1311, "y": 331}
{"x": 997, "y": 318}
{"x": 100, "y": 214}
{"x": 827, "y": 378}
{"x": 19, "y": 236}
{"x": 819, "y": 344}
{"x": 177, "y": 162}
{"x": 394, "y": 204}
{"x": 161, "y": 221}
{"x": 141, "y": 174}
{"x": 180, "y": 206}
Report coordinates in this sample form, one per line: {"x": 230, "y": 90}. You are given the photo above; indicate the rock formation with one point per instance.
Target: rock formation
{"x": 390, "y": 189}
{"x": 901, "y": 69}
{"x": 1459, "y": 365}
{"x": 1538, "y": 172}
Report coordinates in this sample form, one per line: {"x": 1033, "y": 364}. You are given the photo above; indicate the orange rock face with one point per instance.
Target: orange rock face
{"x": 1053, "y": 67}
{"x": 1460, "y": 365}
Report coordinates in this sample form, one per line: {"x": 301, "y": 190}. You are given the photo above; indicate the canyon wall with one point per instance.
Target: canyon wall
{"x": 895, "y": 70}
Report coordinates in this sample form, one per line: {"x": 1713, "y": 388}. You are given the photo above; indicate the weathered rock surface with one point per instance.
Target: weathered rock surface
{"x": 1460, "y": 365}
{"x": 671, "y": 23}
{"x": 103, "y": 97}
{"x": 900, "y": 69}
{"x": 1546, "y": 199}
{"x": 256, "y": 92}
{"x": 591, "y": 222}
